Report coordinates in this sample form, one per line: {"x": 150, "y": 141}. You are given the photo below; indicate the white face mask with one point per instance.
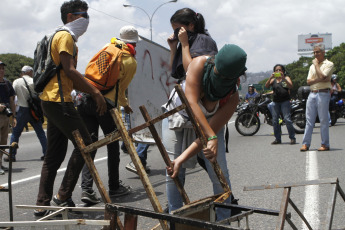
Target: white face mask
{"x": 78, "y": 27}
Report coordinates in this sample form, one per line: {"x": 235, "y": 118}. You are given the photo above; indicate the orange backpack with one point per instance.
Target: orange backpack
{"x": 103, "y": 69}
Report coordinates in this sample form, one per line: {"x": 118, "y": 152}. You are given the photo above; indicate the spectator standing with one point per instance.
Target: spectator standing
{"x": 319, "y": 79}
{"x": 281, "y": 84}
{"x": 6, "y": 106}
{"x": 60, "y": 126}
{"x": 23, "y": 115}
{"x": 128, "y": 39}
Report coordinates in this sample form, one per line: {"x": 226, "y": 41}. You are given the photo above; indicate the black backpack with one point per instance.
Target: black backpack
{"x": 44, "y": 66}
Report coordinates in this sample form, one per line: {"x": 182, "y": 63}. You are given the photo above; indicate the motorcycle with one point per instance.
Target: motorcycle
{"x": 248, "y": 123}
{"x": 338, "y": 112}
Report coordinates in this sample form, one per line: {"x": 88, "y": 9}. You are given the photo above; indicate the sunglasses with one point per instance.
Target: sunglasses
{"x": 83, "y": 14}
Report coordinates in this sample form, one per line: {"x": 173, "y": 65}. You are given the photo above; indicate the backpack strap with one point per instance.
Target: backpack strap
{"x": 58, "y": 69}
{"x": 27, "y": 86}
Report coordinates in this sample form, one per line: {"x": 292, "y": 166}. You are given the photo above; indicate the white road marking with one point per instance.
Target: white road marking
{"x": 38, "y": 176}
{"x": 311, "y": 202}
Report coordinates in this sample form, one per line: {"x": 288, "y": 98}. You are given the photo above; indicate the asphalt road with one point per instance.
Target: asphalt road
{"x": 252, "y": 161}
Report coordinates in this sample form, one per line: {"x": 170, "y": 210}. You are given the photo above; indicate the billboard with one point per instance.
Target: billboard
{"x": 151, "y": 85}
{"x": 306, "y": 42}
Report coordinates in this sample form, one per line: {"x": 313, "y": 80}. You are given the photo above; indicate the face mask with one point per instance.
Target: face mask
{"x": 78, "y": 27}
{"x": 177, "y": 30}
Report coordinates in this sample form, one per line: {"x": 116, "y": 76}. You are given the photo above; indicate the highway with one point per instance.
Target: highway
{"x": 252, "y": 161}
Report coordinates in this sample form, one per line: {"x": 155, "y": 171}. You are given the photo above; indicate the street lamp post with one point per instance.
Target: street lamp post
{"x": 150, "y": 18}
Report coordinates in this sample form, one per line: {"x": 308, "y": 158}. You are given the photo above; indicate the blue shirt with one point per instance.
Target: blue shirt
{"x": 250, "y": 97}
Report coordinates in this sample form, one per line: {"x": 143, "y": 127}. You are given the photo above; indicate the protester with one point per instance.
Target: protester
{"x": 7, "y": 107}
{"x": 281, "y": 84}
{"x": 190, "y": 39}
{"x": 208, "y": 81}
{"x": 63, "y": 118}
{"x": 128, "y": 39}
{"x": 252, "y": 94}
{"x": 319, "y": 79}
{"x": 24, "y": 115}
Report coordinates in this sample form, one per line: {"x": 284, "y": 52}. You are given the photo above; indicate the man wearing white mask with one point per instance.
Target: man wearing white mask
{"x": 63, "y": 118}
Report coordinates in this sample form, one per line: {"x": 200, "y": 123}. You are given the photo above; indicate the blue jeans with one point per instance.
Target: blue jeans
{"x": 317, "y": 104}
{"x": 284, "y": 108}
{"x": 23, "y": 117}
{"x": 172, "y": 140}
{"x": 142, "y": 152}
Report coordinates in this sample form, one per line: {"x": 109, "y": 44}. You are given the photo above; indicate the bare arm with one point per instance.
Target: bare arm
{"x": 269, "y": 81}
{"x": 172, "y": 42}
{"x": 186, "y": 57}
{"x": 338, "y": 87}
{"x": 80, "y": 83}
{"x": 288, "y": 82}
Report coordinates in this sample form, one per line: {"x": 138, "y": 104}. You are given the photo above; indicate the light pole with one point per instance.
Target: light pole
{"x": 150, "y": 18}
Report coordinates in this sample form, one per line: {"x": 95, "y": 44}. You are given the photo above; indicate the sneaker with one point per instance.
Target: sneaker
{"x": 2, "y": 172}
{"x": 4, "y": 168}
{"x": 131, "y": 167}
{"x": 67, "y": 203}
{"x": 121, "y": 191}
{"x": 7, "y": 159}
{"x": 89, "y": 198}
{"x": 293, "y": 141}
{"x": 275, "y": 142}
{"x": 41, "y": 212}
{"x": 124, "y": 149}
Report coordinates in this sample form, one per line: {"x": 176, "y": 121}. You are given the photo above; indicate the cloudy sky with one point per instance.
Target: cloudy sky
{"x": 267, "y": 30}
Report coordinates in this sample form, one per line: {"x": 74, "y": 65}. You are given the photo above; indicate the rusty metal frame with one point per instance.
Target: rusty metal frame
{"x": 286, "y": 200}
{"x": 14, "y": 145}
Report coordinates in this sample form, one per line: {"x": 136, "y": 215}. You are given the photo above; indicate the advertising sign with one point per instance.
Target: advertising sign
{"x": 306, "y": 42}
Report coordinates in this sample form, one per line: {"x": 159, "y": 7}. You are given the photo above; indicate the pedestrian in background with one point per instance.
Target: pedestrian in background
{"x": 24, "y": 115}
{"x": 7, "y": 109}
{"x": 251, "y": 94}
{"x": 128, "y": 39}
{"x": 281, "y": 85}
{"x": 319, "y": 79}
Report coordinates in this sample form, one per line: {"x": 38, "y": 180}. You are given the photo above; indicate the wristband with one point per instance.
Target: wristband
{"x": 211, "y": 138}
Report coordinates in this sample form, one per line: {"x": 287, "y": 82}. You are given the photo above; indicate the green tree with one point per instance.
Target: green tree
{"x": 14, "y": 64}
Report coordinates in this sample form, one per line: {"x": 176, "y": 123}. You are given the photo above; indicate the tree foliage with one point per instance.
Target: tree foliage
{"x": 14, "y": 64}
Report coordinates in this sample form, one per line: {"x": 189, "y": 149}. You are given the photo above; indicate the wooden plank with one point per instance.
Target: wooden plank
{"x": 164, "y": 153}
{"x": 290, "y": 184}
{"x": 283, "y": 209}
{"x": 131, "y": 222}
{"x": 94, "y": 173}
{"x": 138, "y": 165}
{"x": 114, "y": 136}
{"x": 202, "y": 137}
{"x": 54, "y": 223}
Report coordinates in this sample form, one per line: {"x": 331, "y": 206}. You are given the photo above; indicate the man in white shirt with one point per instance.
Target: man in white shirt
{"x": 319, "y": 79}
{"x": 23, "y": 114}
